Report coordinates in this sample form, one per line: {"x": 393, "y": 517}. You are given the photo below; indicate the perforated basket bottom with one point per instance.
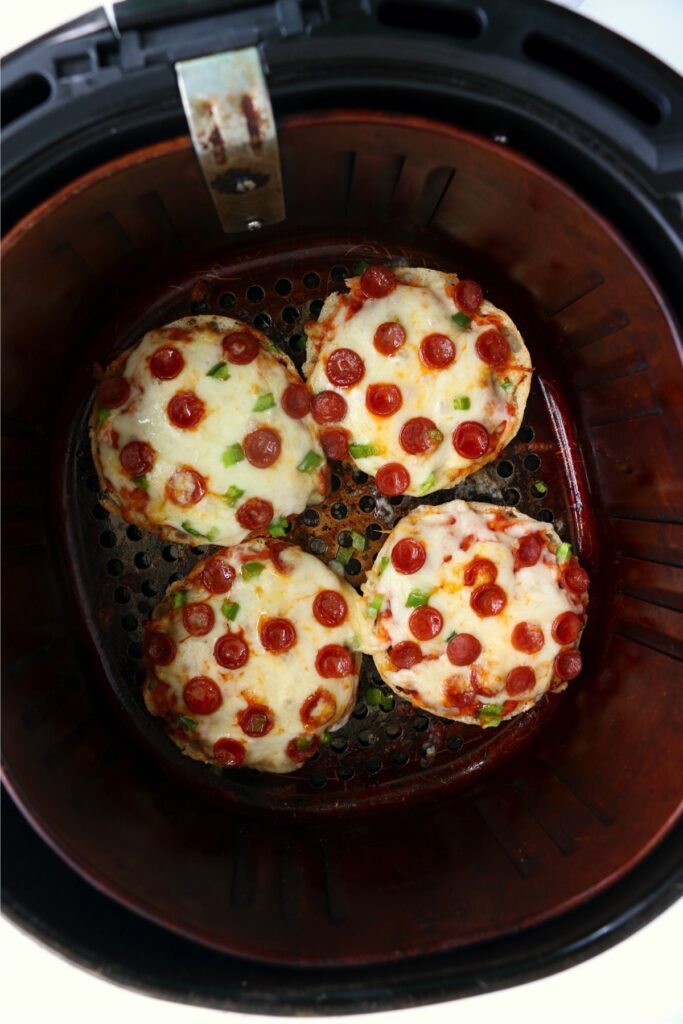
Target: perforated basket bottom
{"x": 384, "y": 751}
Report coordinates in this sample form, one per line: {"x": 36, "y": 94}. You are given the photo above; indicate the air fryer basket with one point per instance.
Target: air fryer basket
{"x": 408, "y": 835}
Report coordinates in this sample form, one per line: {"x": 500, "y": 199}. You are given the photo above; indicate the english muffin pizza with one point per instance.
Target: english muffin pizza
{"x": 202, "y": 432}
{"x": 253, "y": 656}
{"x": 415, "y": 377}
{"x": 475, "y": 611}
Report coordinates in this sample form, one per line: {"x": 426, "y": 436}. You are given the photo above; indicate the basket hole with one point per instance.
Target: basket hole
{"x": 142, "y": 560}
{"x": 359, "y": 477}
{"x": 170, "y": 553}
{"x": 367, "y": 737}
{"x": 374, "y": 531}
{"x": 366, "y": 503}
{"x": 310, "y": 517}
{"x": 262, "y": 321}
{"x": 546, "y": 515}
{"x": 511, "y": 496}
{"x": 134, "y": 532}
{"x": 339, "y": 744}
{"x": 122, "y": 595}
{"x": 114, "y": 567}
{"x": 297, "y": 342}
{"x": 315, "y": 307}
{"x": 399, "y": 758}
{"x": 505, "y": 469}
{"x": 525, "y": 435}
{"x": 397, "y": 499}
{"x": 129, "y": 623}
{"x": 108, "y": 539}
{"x": 360, "y": 710}
{"x": 100, "y": 512}
{"x": 148, "y": 589}
{"x": 393, "y": 731}
{"x": 335, "y": 482}
{"x": 345, "y": 539}
{"x": 339, "y": 510}
{"x": 455, "y": 743}
{"x": 339, "y": 273}
{"x": 432, "y": 17}
{"x": 135, "y": 650}
{"x": 175, "y": 577}
{"x": 255, "y": 293}
{"x": 227, "y": 300}
{"x": 353, "y": 567}
{"x": 290, "y": 314}
{"x": 317, "y": 546}
{"x": 199, "y": 308}
{"x": 311, "y": 279}
{"x": 140, "y": 674}
{"x": 532, "y": 462}
{"x": 373, "y": 765}
{"x": 318, "y": 779}
{"x": 283, "y": 286}
{"x": 93, "y": 483}
{"x": 427, "y": 752}
{"x": 345, "y": 773}
{"x": 420, "y": 724}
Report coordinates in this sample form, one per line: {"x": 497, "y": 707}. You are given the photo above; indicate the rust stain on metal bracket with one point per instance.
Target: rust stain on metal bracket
{"x": 231, "y": 122}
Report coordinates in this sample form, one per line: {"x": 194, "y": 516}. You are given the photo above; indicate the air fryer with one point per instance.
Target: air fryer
{"x": 413, "y": 857}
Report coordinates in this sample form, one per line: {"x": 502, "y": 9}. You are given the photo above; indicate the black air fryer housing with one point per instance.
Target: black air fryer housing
{"x": 583, "y": 104}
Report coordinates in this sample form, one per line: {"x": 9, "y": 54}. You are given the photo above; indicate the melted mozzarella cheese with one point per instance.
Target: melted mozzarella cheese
{"x": 228, "y": 417}
{"x": 423, "y": 306}
{"x": 281, "y": 682}
{"x": 533, "y": 596}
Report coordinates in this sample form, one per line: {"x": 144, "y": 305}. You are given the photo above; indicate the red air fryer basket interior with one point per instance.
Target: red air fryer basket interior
{"x": 408, "y": 834}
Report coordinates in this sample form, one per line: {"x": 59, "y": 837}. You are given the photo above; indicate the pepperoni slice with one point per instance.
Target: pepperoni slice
{"x": 185, "y": 487}
{"x": 566, "y": 628}
{"x": 405, "y": 655}
{"x": 468, "y": 296}
{"x": 471, "y": 439}
{"x": 330, "y": 608}
{"x": 137, "y": 458}
{"x": 241, "y": 347}
{"x": 488, "y": 600}
{"x": 462, "y": 703}
{"x": 318, "y": 709}
{"x": 296, "y": 400}
{"x": 437, "y": 351}
{"x": 392, "y": 479}
{"x": 479, "y": 571}
{"x": 166, "y": 363}
{"x": 463, "y": 649}
{"x": 576, "y": 579}
{"x": 202, "y": 695}
{"x": 334, "y": 662}
{"x": 376, "y": 282}
{"x": 277, "y": 635}
{"x": 408, "y": 556}
{"x": 527, "y": 637}
{"x": 254, "y": 514}
{"x": 185, "y": 410}
{"x": 335, "y": 443}
{"x": 420, "y": 435}
{"x": 328, "y": 407}
{"x": 567, "y": 665}
{"x": 492, "y": 348}
{"x": 528, "y": 550}
{"x": 389, "y": 337}
{"x": 344, "y": 368}
{"x": 262, "y": 447}
{"x": 256, "y": 720}
{"x": 302, "y": 747}
{"x": 520, "y": 680}
{"x": 229, "y": 753}
{"x": 425, "y": 622}
{"x": 230, "y": 651}
{"x": 160, "y": 647}
{"x": 217, "y": 576}
{"x": 198, "y": 618}
{"x": 113, "y": 392}
{"x": 383, "y": 399}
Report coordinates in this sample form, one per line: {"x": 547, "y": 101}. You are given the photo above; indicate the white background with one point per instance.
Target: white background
{"x": 637, "y": 982}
